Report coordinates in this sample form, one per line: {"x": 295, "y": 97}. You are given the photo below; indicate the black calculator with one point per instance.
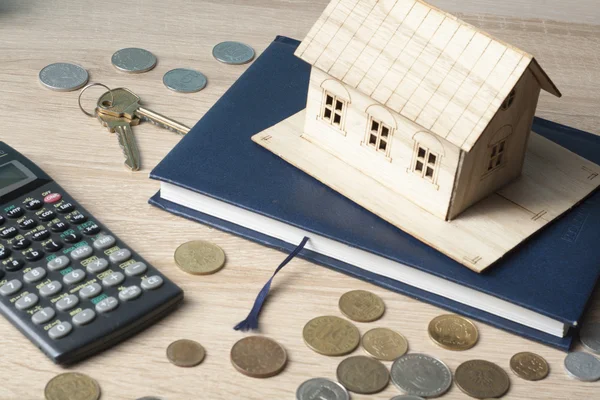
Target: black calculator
{"x": 67, "y": 282}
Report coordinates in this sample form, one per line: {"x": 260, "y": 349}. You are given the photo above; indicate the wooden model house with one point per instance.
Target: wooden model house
{"x": 413, "y": 114}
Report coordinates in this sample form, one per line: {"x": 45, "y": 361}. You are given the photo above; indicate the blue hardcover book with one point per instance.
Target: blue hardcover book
{"x": 216, "y": 175}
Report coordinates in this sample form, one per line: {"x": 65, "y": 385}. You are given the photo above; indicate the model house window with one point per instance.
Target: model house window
{"x": 426, "y": 163}
{"x": 509, "y": 100}
{"x": 379, "y": 136}
{"x": 333, "y": 110}
{"x": 496, "y": 155}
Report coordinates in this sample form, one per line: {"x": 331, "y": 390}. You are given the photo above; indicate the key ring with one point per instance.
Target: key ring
{"x": 112, "y": 100}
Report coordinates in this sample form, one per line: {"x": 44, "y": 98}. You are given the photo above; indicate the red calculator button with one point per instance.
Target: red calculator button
{"x": 52, "y": 198}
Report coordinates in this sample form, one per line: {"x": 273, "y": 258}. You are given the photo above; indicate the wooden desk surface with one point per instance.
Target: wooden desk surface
{"x": 49, "y": 128}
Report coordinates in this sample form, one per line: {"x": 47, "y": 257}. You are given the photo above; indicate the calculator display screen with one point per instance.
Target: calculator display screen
{"x": 14, "y": 176}
{"x": 11, "y": 174}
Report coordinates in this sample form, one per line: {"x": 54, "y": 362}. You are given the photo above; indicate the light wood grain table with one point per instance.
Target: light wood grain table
{"x": 83, "y": 157}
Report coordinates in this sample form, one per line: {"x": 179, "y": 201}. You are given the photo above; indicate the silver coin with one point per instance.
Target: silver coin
{"x": 322, "y": 389}
{"x": 407, "y": 397}
{"x": 233, "y": 53}
{"x": 421, "y": 375}
{"x": 582, "y": 366}
{"x": 590, "y": 337}
{"x": 63, "y": 77}
{"x": 133, "y": 60}
{"x": 184, "y": 80}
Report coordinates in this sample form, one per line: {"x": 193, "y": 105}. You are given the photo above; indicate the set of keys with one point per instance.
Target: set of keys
{"x": 119, "y": 110}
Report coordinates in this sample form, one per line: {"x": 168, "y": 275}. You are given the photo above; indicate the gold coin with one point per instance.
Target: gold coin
{"x": 361, "y": 306}
{"x": 363, "y": 375}
{"x": 199, "y": 257}
{"x": 453, "y": 332}
{"x": 185, "y": 353}
{"x": 331, "y": 336}
{"x": 529, "y": 366}
{"x": 258, "y": 357}
{"x": 384, "y": 344}
{"x": 72, "y": 386}
{"x": 481, "y": 379}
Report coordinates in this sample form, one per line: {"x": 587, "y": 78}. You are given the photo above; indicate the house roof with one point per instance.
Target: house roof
{"x": 427, "y": 65}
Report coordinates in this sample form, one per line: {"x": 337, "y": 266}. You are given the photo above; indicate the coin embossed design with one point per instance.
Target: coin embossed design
{"x": 185, "y": 353}
{"x": 63, "y": 77}
{"x": 481, "y": 379}
{"x": 384, "y": 344}
{"x": 362, "y": 374}
{"x": 184, "y": 80}
{"x": 133, "y": 60}
{"x": 421, "y": 375}
{"x": 72, "y": 386}
{"x": 361, "y": 306}
{"x": 235, "y": 53}
{"x": 321, "y": 389}
{"x": 198, "y": 257}
{"x": 258, "y": 357}
{"x": 582, "y": 366}
{"x": 331, "y": 336}
{"x": 453, "y": 332}
{"x": 590, "y": 337}
{"x": 529, "y": 366}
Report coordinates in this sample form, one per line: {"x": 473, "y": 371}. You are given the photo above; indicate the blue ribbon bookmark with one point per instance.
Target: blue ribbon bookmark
{"x": 251, "y": 321}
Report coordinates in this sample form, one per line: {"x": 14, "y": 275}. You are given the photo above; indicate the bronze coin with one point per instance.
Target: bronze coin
{"x": 481, "y": 379}
{"x": 72, "y": 386}
{"x": 331, "y": 336}
{"x": 198, "y": 257}
{"x": 258, "y": 357}
{"x": 453, "y": 332}
{"x": 529, "y": 366}
{"x": 384, "y": 344}
{"x": 363, "y": 375}
{"x": 361, "y": 306}
{"x": 185, "y": 353}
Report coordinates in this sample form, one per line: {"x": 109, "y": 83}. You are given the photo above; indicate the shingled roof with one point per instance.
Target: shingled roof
{"x": 427, "y": 65}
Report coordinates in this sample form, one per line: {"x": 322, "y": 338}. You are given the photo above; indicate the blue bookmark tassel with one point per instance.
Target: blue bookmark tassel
{"x": 251, "y": 321}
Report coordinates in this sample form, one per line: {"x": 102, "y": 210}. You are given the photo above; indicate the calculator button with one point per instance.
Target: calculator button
{"x": 91, "y": 229}
{"x": 136, "y": 269}
{"x": 52, "y": 246}
{"x": 130, "y": 293}
{"x": 90, "y": 291}
{"x": 106, "y": 305}
{"x": 52, "y": 198}
{"x": 4, "y": 252}
{"x": 81, "y": 252}
{"x": 34, "y": 204}
{"x": 114, "y": 279}
{"x": 25, "y": 303}
{"x": 41, "y": 235}
{"x": 77, "y": 218}
{"x": 84, "y": 317}
{"x": 11, "y": 287}
{"x": 27, "y": 224}
{"x": 50, "y": 289}
{"x": 72, "y": 238}
{"x": 97, "y": 266}
{"x": 36, "y": 274}
{"x": 151, "y": 283}
{"x": 15, "y": 212}
{"x": 59, "y": 226}
{"x": 66, "y": 303}
{"x": 43, "y": 316}
{"x": 9, "y": 232}
{"x": 61, "y": 330}
{"x": 34, "y": 255}
{"x": 14, "y": 265}
{"x": 47, "y": 215}
{"x": 2, "y": 219}
{"x": 58, "y": 263}
{"x": 20, "y": 244}
{"x": 104, "y": 242}
{"x": 64, "y": 208}
{"x": 120, "y": 256}
{"x": 74, "y": 276}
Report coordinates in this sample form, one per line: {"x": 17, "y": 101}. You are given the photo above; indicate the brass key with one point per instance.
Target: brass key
{"x": 122, "y": 127}
{"x": 126, "y": 104}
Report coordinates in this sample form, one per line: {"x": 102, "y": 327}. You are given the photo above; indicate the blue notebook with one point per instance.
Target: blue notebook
{"x": 552, "y": 275}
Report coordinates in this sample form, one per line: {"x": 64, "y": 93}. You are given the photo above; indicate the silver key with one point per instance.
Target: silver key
{"x": 122, "y": 127}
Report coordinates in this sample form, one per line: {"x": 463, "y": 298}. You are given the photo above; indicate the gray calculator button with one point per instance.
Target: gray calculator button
{"x": 104, "y": 242}
{"x": 130, "y": 293}
{"x": 58, "y": 263}
{"x": 81, "y": 252}
{"x": 135, "y": 269}
{"x": 74, "y": 276}
{"x": 120, "y": 256}
{"x": 43, "y": 316}
{"x": 36, "y": 274}
{"x": 151, "y": 283}
{"x": 25, "y": 303}
{"x": 11, "y": 287}
{"x": 61, "y": 330}
{"x": 66, "y": 303}
{"x": 90, "y": 291}
{"x": 106, "y": 305}
{"x": 50, "y": 289}
{"x": 114, "y": 279}
{"x": 97, "y": 266}
{"x": 84, "y": 317}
